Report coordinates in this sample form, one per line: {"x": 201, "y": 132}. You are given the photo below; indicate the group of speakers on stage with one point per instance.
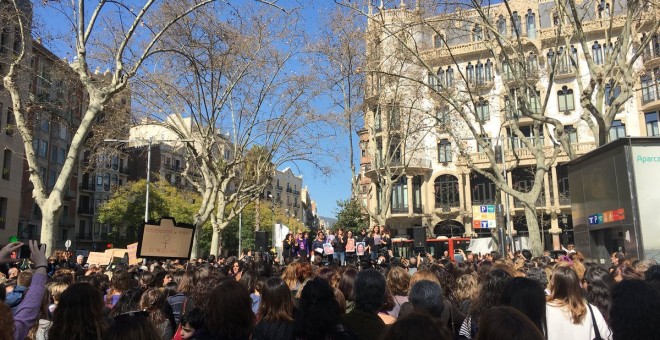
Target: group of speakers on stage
{"x": 339, "y": 245}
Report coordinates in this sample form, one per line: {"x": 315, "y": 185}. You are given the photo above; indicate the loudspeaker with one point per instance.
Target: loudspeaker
{"x": 419, "y": 237}
{"x": 261, "y": 240}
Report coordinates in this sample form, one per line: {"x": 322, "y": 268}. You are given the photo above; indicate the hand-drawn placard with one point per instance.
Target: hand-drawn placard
{"x": 99, "y": 258}
{"x": 167, "y": 239}
{"x": 132, "y": 254}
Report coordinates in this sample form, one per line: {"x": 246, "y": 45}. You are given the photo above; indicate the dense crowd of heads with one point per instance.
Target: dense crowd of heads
{"x": 517, "y": 296}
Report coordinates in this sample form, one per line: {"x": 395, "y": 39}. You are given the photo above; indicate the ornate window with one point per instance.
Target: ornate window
{"x": 444, "y": 151}
{"x": 531, "y": 24}
{"x": 516, "y": 24}
{"x": 477, "y": 33}
{"x": 482, "y": 110}
{"x": 501, "y": 25}
{"x": 446, "y": 191}
{"x": 597, "y": 51}
{"x": 566, "y": 100}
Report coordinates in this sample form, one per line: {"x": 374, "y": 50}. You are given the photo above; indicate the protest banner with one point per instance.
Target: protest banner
{"x": 99, "y": 258}
{"x": 166, "y": 239}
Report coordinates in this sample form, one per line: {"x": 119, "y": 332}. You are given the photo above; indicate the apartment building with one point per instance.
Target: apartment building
{"x": 439, "y": 187}
{"x": 11, "y": 142}
{"x": 285, "y": 193}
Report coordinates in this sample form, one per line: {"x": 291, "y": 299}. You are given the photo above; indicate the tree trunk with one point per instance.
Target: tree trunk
{"x": 195, "y": 246}
{"x": 257, "y": 216}
{"x": 215, "y": 238}
{"x": 535, "y": 244}
{"x": 49, "y": 216}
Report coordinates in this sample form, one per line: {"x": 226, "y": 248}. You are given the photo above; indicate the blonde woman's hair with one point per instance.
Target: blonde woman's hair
{"x": 56, "y": 289}
{"x": 467, "y": 287}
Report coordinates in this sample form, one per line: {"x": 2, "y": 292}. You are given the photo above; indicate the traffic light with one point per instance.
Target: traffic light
{"x": 109, "y": 246}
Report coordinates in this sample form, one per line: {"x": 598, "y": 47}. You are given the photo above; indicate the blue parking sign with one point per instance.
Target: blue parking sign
{"x": 483, "y": 208}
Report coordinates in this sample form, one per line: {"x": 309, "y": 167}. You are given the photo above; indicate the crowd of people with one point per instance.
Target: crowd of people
{"x": 489, "y": 296}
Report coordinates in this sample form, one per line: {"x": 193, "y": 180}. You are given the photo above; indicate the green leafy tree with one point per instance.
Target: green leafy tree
{"x": 351, "y": 215}
{"x": 124, "y": 211}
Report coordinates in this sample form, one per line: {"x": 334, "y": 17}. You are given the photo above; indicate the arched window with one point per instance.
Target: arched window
{"x": 483, "y": 112}
{"x": 597, "y": 51}
{"x": 477, "y": 33}
{"x": 444, "y": 151}
{"x": 449, "y": 228}
{"x": 555, "y": 19}
{"x": 603, "y": 9}
{"x": 507, "y": 73}
{"x": 648, "y": 88}
{"x": 437, "y": 41}
{"x": 531, "y": 24}
{"x": 488, "y": 70}
{"x": 446, "y": 191}
{"x": 115, "y": 179}
{"x": 106, "y": 182}
{"x": 480, "y": 72}
{"x": 532, "y": 64}
{"x": 450, "y": 76}
{"x": 566, "y": 100}
{"x": 441, "y": 78}
{"x": 470, "y": 73}
{"x": 501, "y": 25}
{"x": 515, "y": 24}
{"x": 611, "y": 92}
{"x": 432, "y": 81}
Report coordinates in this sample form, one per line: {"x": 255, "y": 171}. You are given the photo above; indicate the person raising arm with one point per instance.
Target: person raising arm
{"x": 26, "y": 313}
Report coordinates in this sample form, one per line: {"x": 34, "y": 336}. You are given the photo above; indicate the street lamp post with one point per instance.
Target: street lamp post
{"x": 149, "y": 141}
{"x": 507, "y": 218}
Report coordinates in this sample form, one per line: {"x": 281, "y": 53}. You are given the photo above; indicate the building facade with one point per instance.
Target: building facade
{"x": 439, "y": 186}
{"x": 285, "y": 193}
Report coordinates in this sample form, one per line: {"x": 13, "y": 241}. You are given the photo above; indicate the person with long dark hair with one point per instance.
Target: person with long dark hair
{"x": 288, "y": 247}
{"x": 228, "y": 312}
{"x": 182, "y": 302}
{"x": 249, "y": 279}
{"x": 131, "y": 325}
{"x": 370, "y": 296}
{"x": 317, "y": 316}
{"x": 597, "y": 284}
{"x": 79, "y": 315}
{"x": 635, "y": 312}
{"x": 416, "y": 326}
{"x": 275, "y": 311}
{"x": 568, "y": 314}
{"x": 507, "y": 323}
{"x": 489, "y": 296}
{"x": 153, "y": 302}
{"x": 339, "y": 246}
{"x": 346, "y": 283}
{"x": 527, "y": 296}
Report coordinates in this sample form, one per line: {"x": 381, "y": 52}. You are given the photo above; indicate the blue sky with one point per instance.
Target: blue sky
{"x": 324, "y": 189}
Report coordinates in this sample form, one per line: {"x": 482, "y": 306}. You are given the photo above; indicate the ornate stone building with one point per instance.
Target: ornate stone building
{"x": 453, "y": 52}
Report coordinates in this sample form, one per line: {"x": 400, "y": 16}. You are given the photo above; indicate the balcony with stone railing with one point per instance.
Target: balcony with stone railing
{"x": 394, "y": 164}
{"x": 522, "y": 153}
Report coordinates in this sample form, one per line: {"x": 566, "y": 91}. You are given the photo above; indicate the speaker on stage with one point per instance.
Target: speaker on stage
{"x": 419, "y": 237}
{"x": 261, "y": 240}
